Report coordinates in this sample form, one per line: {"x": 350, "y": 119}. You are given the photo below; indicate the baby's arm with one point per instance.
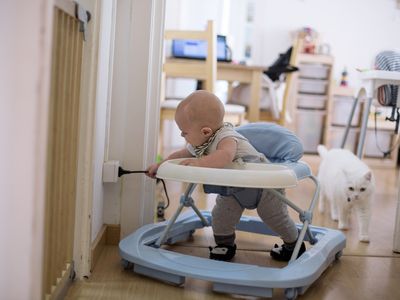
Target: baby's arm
{"x": 183, "y": 153}
{"x": 222, "y": 156}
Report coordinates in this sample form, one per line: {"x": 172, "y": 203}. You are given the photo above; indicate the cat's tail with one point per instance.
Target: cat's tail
{"x": 322, "y": 151}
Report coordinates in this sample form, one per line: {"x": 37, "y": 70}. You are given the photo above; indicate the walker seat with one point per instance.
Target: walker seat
{"x": 143, "y": 247}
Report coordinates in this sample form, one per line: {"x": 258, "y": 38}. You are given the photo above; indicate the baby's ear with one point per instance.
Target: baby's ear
{"x": 207, "y": 131}
{"x": 368, "y": 175}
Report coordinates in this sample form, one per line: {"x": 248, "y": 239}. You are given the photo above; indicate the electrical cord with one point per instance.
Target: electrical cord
{"x": 122, "y": 172}
{"x": 394, "y": 145}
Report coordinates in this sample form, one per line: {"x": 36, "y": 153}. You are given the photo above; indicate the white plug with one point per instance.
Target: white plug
{"x": 110, "y": 171}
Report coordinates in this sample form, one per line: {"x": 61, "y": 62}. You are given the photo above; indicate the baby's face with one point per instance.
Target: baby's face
{"x": 192, "y": 133}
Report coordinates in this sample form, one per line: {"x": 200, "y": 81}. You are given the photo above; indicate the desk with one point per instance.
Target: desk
{"x": 186, "y": 68}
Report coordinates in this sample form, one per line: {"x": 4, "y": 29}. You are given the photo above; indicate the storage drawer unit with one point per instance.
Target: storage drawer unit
{"x": 317, "y": 71}
{"x": 341, "y": 110}
{"x": 313, "y": 86}
{"x": 311, "y": 101}
{"x": 336, "y": 137}
{"x": 383, "y": 139}
{"x": 309, "y": 128}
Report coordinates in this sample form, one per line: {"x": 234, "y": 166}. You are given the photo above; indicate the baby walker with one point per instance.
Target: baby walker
{"x": 143, "y": 247}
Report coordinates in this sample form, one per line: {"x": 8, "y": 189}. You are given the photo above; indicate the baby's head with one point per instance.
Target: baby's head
{"x": 198, "y": 116}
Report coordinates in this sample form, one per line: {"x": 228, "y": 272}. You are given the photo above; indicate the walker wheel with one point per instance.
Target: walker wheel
{"x": 127, "y": 265}
{"x": 338, "y": 255}
{"x": 291, "y": 293}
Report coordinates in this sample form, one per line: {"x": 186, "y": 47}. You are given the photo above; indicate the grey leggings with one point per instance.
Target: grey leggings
{"x": 272, "y": 211}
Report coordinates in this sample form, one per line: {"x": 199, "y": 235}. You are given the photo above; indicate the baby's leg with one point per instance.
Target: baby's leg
{"x": 225, "y": 216}
{"x": 274, "y": 213}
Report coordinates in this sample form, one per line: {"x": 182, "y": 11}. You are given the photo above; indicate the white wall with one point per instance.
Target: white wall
{"x": 25, "y": 33}
{"x": 120, "y": 83}
{"x": 355, "y": 29}
{"x": 103, "y": 95}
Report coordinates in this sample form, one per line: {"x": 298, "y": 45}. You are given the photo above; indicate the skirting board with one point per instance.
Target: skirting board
{"x": 109, "y": 234}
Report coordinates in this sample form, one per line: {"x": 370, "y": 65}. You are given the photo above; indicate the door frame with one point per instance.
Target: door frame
{"x": 145, "y": 67}
{"x": 84, "y": 192}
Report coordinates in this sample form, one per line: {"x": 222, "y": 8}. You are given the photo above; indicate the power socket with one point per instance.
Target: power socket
{"x": 110, "y": 171}
{"x": 160, "y": 210}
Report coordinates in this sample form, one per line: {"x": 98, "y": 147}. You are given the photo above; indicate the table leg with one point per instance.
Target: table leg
{"x": 255, "y": 95}
{"x": 230, "y": 91}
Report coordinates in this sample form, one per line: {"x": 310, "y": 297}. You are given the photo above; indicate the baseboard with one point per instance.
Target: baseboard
{"x": 109, "y": 234}
{"x": 113, "y": 234}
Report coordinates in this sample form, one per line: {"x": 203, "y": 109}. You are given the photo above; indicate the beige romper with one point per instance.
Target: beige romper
{"x": 229, "y": 207}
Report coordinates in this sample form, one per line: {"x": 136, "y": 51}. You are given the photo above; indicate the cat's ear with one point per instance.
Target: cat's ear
{"x": 368, "y": 175}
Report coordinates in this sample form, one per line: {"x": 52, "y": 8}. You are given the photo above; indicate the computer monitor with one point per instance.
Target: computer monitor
{"x": 197, "y": 49}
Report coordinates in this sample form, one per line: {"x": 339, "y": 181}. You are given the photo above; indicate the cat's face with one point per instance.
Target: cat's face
{"x": 358, "y": 187}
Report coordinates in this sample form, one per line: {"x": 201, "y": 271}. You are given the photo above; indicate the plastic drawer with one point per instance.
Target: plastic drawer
{"x": 336, "y": 137}
{"x": 309, "y": 128}
{"x": 317, "y": 71}
{"x": 312, "y": 86}
{"x": 311, "y": 101}
{"x": 341, "y": 110}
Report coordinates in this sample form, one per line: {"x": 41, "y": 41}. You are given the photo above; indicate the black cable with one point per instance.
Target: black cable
{"x": 122, "y": 172}
{"x": 394, "y": 145}
{"x": 165, "y": 191}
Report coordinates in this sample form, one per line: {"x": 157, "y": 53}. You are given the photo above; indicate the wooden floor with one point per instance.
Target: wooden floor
{"x": 365, "y": 271}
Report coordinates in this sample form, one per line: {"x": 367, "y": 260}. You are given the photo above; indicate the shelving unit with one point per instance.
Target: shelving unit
{"x": 311, "y": 97}
{"x": 342, "y": 101}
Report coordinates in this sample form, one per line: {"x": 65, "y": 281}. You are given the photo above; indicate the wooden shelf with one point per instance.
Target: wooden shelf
{"x": 315, "y": 58}
{"x": 308, "y": 84}
{"x": 381, "y": 124}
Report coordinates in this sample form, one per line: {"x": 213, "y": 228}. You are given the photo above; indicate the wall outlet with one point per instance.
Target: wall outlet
{"x": 110, "y": 171}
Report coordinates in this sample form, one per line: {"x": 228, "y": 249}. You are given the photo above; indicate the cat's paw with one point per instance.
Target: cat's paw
{"x": 363, "y": 238}
{"x": 334, "y": 218}
{"x": 343, "y": 226}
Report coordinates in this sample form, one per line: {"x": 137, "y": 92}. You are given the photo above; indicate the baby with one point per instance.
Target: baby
{"x": 213, "y": 144}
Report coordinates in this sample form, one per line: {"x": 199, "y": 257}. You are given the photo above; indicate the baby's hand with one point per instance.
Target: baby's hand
{"x": 152, "y": 170}
{"x": 195, "y": 162}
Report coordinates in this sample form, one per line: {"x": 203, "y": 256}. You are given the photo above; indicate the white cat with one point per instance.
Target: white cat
{"x": 346, "y": 182}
